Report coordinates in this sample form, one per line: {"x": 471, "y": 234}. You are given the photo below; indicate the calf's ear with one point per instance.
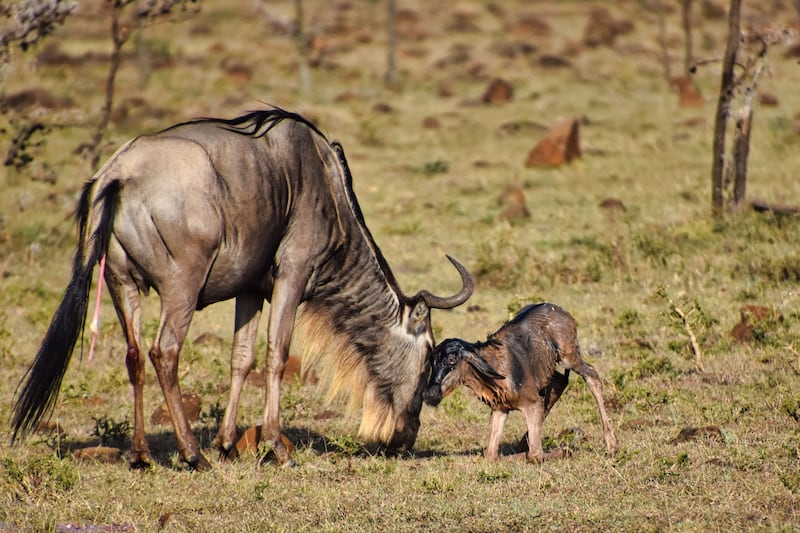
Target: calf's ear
{"x": 479, "y": 363}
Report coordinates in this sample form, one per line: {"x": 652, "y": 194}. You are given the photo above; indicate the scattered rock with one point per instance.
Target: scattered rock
{"x": 554, "y": 61}
{"x": 50, "y": 428}
{"x": 292, "y": 372}
{"x": 612, "y": 204}
{"x": 793, "y": 51}
{"x": 513, "y": 50}
{"x": 464, "y": 22}
{"x": 383, "y": 108}
{"x": 498, "y": 91}
{"x": 613, "y": 207}
{"x": 688, "y": 95}
{"x": 688, "y": 434}
{"x": 754, "y": 317}
{"x": 35, "y": 97}
{"x": 713, "y": 9}
{"x": 327, "y": 414}
{"x": 767, "y": 99}
{"x": 529, "y": 25}
{"x": 512, "y": 201}
{"x": 238, "y": 73}
{"x": 407, "y": 25}
{"x": 191, "y": 408}
{"x": 210, "y": 340}
{"x": 602, "y": 30}
{"x": 94, "y": 401}
{"x": 431, "y": 123}
{"x": 250, "y": 438}
{"x": 694, "y": 122}
{"x": 98, "y": 454}
{"x": 560, "y": 145}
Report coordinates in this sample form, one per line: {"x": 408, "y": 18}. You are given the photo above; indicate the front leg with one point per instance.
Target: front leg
{"x": 283, "y": 309}
{"x": 248, "y": 314}
{"x": 534, "y": 418}
{"x": 498, "y": 420}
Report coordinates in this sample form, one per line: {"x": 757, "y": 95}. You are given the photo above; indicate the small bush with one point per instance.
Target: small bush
{"x": 110, "y": 431}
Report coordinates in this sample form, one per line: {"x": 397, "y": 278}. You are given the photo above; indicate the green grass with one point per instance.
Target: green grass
{"x": 427, "y": 192}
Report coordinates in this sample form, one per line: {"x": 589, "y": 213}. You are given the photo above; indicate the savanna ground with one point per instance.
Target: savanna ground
{"x": 428, "y": 191}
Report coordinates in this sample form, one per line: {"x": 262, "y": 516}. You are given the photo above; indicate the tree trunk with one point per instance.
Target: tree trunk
{"x": 301, "y": 40}
{"x": 118, "y": 35}
{"x": 741, "y": 149}
{"x": 686, "y": 20}
{"x": 391, "y": 45}
{"x": 662, "y": 43}
{"x": 723, "y": 109}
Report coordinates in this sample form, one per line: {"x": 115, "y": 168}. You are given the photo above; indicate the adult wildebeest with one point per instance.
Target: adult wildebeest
{"x": 258, "y": 207}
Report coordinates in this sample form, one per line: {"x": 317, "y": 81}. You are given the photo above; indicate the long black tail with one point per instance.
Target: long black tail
{"x": 38, "y": 395}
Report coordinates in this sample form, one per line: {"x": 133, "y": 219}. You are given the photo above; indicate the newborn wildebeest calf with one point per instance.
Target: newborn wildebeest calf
{"x": 516, "y": 369}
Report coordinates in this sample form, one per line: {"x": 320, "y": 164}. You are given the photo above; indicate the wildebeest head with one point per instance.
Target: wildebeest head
{"x": 447, "y": 367}
{"x": 382, "y": 362}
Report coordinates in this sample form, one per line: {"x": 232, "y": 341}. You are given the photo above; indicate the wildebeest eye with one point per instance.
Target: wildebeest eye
{"x": 451, "y": 360}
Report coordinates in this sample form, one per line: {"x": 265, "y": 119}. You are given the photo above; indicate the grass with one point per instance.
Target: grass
{"x": 427, "y": 192}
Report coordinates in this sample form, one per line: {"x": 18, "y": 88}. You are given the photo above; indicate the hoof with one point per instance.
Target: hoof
{"x": 140, "y": 461}
{"x": 198, "y": 463}
{"x": 227, "y": 452}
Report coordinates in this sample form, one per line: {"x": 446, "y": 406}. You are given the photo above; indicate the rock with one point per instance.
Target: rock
{"x": 688, "y": 434}
{"x": 98, "y": 454}
{"x": 754, "y": 317}
{"x": 529, "y": 25}
{"x": 27, "y": 99}
{"x": 512, "y": 201}
{"x": 688, "y": 95}
{"x": 602, "y": 30}
{"x": 431, "y": 123}
{"x": 191, "y": 408}
{"x": 767, "y": 99}
{"x": 498, "y": 91}
{"x": 554, "y": 61}
{"x": 560, "y": 145}
{"x": 249, "y": 441}
{"x": 292, "y": 372}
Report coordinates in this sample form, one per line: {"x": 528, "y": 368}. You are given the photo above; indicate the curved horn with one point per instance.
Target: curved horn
{"x": 438, "y": 302}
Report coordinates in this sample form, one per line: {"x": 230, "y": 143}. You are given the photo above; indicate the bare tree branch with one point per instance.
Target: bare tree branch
{"x": 32, "y": 21}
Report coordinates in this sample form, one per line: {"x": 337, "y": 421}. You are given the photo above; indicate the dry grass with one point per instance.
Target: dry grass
{"x": 426, "y": 192}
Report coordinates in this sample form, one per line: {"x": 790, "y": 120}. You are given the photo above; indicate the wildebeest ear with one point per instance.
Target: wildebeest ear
{"x": 420, "y": 312}
{"x": 479, "y": 363}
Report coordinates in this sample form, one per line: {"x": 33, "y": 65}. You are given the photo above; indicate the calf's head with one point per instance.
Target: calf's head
{"x": 448, "y": 363}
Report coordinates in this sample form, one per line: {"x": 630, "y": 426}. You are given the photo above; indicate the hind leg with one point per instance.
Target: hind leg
{"x": 248, "y": 314}
{"x": 589, "y": 374}
{"x": 534, "y": 419}
{"x": 572, "y": 359}
{"x": 176, "y": 315}
{"x": 125, "y": 296}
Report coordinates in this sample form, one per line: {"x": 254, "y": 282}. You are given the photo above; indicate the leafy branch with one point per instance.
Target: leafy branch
{"x": 685, "y": 320}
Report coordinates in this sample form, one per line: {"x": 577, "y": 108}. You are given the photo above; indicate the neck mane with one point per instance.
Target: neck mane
{"x": 351, "y": 327}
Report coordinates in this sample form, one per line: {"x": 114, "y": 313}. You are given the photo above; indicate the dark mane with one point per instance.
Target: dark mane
{"x": 356, "y": 208}
{"x": 257, "y": 123}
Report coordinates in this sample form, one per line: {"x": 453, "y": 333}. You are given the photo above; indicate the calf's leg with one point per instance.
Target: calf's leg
{"x": 589, "y": 374}
{"x": 495, "y": 433}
